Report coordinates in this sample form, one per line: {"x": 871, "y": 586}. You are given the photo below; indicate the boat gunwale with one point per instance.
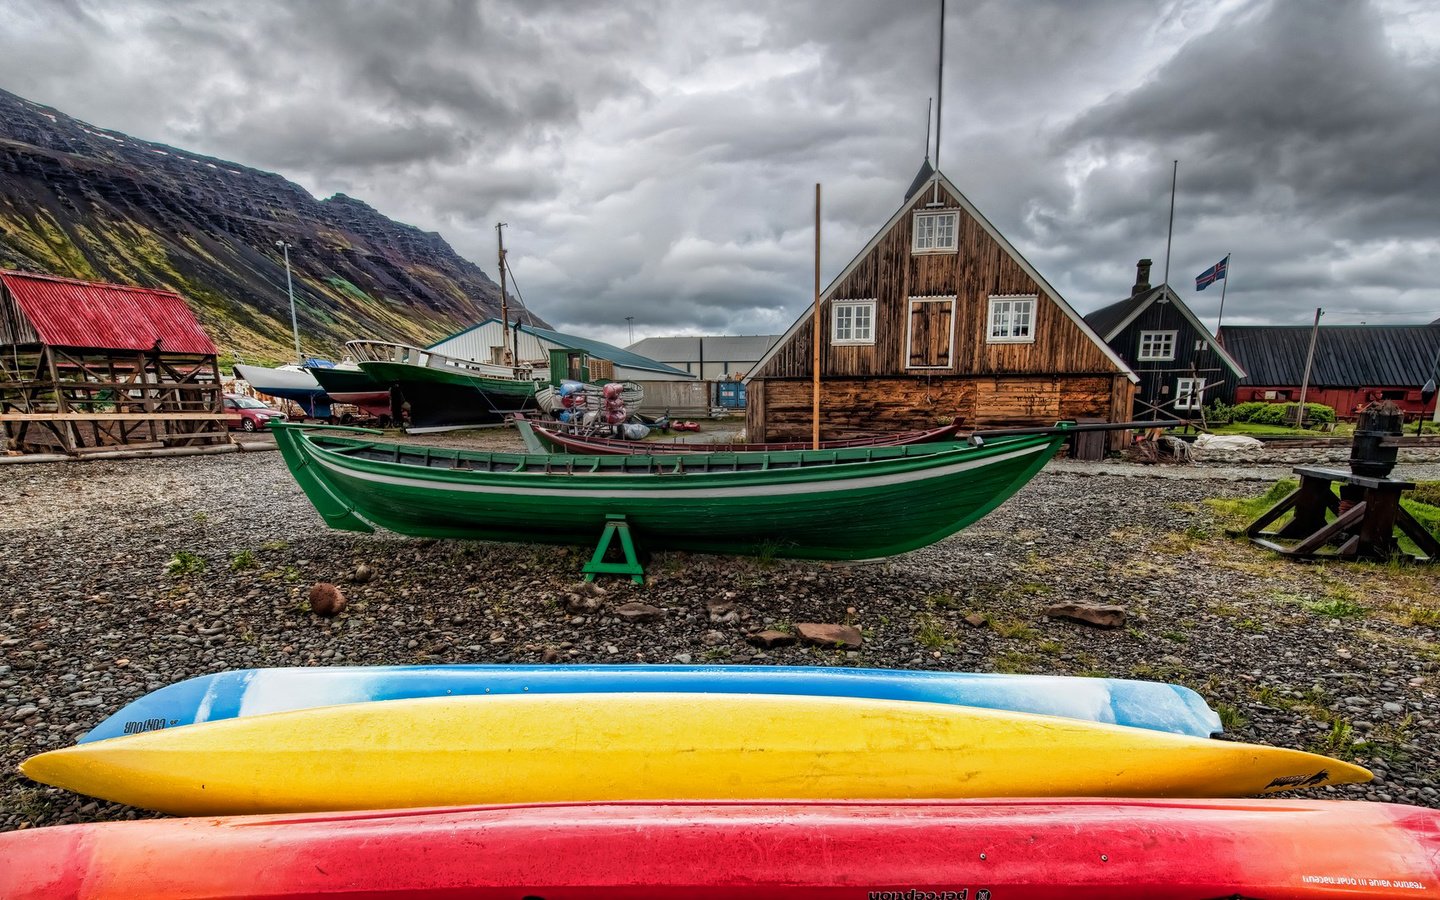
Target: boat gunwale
{"x": 669, "y": 470}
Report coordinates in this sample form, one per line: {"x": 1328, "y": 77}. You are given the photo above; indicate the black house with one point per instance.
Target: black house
{"x": 1179, "y": 362}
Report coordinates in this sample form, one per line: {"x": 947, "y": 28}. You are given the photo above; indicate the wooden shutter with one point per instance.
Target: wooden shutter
{"x": 931, "y": 330}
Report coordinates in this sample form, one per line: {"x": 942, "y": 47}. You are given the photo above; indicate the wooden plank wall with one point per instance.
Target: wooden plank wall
{"x": 852, "y": 407}
{"x": 891, "y": 274}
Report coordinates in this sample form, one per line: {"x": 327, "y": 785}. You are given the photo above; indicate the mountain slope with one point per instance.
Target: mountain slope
{"x": 85, "y": 202}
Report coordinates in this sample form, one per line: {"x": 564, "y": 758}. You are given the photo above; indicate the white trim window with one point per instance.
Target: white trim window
{"x": 1157, "y": 345}
{"x": 1011, "y": 320}
{"x": 1189, "y": 393}
{"x": 852, "y": 322}
{"x": 935, "y": 232}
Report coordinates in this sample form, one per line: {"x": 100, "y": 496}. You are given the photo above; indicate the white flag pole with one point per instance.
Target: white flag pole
{"x": 1221, "y": 317}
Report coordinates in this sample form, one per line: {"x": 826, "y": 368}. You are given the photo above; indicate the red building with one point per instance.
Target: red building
{"x": 87, "y": 366}
{"x": 1353, "y": 365}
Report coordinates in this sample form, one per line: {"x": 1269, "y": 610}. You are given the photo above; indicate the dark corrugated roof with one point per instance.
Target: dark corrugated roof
{"x": 1345, "y": 355}
{"x": 604, "y": 351}
{"x": 921, "y": 177}
{"x": 1107, "y": 318}
{"x": 69, "y": 313}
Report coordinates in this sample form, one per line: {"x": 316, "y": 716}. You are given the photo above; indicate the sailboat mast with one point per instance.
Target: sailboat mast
{"x": 508, "y": 356}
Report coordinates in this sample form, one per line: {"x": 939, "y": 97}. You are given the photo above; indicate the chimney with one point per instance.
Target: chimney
{"x": 1142, "y": 278}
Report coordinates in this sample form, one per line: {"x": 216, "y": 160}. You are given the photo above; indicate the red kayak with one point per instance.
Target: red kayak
{"x": 976, "y": 850}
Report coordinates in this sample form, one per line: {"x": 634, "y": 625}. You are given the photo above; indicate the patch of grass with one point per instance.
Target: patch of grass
{"x": 1231, "y": 719}
{"x": 1014, "y": 662}
{"x": 712, "y": 654}
{"x": 1178, "y": 637}
{"x": 1422, "y": 615}
{"x": 1339, "y": 742}
{"x": 765, "y": 553}
{"x": 945, "y": 600}
{"x": 1050, "y": 648}
{"x": 183, "y": 564}
{"x": 1014, "y": 628}
{"x": 932, "y": 634}
{"x": 1336, "y": 608}
{"x": 274, "y": 545}
{"x": 1159, "y": 672}
{"x": 1244, "y": 510}
{"x": 1250, "y": 625}
{"x": 243, "y": 559}
{"x": 1388, "y": 740}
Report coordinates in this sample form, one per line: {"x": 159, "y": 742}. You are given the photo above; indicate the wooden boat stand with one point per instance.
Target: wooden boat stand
{"x": 615, "y": 525}
{"x": 1367, "y": 512}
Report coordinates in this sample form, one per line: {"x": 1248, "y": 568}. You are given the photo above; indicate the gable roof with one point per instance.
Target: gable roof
{"x": 969, "y": 208}
{"x": 603, "y": 350}
{"x": 717, "y": 348}
{"x": 1345, "y": 355}
{"x": 595, "y": 348}
{"x": 67, "y": 312}
{"x": 1109, "y": 321}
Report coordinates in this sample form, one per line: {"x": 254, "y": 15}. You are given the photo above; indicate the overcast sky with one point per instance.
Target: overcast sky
{"x": 658, "y": 159}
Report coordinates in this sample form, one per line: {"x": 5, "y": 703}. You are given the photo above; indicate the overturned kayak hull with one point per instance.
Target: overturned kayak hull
{"x": 252, "y": 692}
{"x": 1006, "y": 850}
{"x": 599, "y": 747}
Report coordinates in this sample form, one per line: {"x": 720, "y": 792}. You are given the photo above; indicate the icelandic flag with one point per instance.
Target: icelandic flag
{"x": 1211, "y": 275}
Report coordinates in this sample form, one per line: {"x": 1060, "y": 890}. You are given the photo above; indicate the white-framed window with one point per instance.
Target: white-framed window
{"x": 852, "y": 322}
{"x": 1011, "y": 320}
{"x": 935, "y": 232}
{"x": 1157, "y": 345}
{"x": 1189, "y": 393}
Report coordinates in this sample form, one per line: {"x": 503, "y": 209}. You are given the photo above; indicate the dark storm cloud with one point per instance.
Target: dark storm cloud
{"x": 658, "y": 159}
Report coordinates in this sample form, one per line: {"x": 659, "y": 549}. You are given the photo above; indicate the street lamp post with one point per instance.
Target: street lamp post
{"x": 290, "y": 289}
{"x": 630, "y": 323}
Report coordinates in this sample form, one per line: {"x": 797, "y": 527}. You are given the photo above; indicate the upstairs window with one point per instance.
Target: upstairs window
{"x": 935, "y": 232}
{"x": 1157, "y": 345}
{"x": 1012, "y": 320}
{"x": 852, "y": 322}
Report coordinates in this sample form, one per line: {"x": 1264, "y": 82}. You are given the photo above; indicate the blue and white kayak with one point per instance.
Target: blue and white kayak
{"x": 252, "y": 692}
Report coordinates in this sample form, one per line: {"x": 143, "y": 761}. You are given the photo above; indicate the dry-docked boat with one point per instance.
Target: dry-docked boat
{"x": 446, "y": 391}
{"x": 851, "y": 503}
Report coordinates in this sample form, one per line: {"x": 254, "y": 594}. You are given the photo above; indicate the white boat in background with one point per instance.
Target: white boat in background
{"x": 288, "y": 383}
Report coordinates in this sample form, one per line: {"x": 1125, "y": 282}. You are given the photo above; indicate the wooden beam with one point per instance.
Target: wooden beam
{"x": 158, "y": 416}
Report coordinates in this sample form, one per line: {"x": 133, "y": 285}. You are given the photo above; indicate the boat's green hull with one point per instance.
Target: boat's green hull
{"x": 444, "y": 396}
{"x": 874, "y": 502}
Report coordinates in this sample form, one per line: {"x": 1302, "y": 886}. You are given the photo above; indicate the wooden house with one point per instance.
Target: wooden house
{"x": 87, "y": 366}
{"x": 1180, "y": 363}
{"x": 937, "y": 317}
{"x": 1353, "y": 365}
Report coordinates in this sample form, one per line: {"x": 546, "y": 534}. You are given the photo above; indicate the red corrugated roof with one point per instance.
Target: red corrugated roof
{"x": 69, "y": 313}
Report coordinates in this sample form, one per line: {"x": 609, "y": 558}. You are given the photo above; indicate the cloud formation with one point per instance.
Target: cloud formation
{"x": 657, "y": 159}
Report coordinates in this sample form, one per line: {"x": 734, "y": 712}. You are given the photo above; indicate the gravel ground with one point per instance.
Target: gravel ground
{"x": 1341, "y": 659}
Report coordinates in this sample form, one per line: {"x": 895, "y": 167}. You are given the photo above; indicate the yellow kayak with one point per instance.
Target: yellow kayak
{"x": 442, "y": 751}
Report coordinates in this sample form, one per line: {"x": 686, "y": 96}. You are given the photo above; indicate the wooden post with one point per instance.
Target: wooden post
{"x": 815, "y": 392}
{"x": 1309, "y": 360}
{"x": 504, "y": 308}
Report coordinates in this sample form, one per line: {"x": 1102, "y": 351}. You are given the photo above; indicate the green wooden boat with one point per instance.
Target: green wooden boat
{"x": 445, "y": 391}
{"x": 856, "y": 503}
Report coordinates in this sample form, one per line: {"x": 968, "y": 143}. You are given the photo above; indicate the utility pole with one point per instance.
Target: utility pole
{"x": 1309, "y": 360}
{"x": 290, "y": 289}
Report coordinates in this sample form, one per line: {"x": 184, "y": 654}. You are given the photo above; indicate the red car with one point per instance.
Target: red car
{"x": 249, "y": 414}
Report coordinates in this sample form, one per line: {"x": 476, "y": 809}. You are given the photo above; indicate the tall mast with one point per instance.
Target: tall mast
{"x": 507, "y": 357}
{"x": 1170, "y": 232}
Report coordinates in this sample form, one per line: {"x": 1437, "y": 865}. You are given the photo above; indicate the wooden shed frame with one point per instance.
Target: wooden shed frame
{"x": 76, "y": 400}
